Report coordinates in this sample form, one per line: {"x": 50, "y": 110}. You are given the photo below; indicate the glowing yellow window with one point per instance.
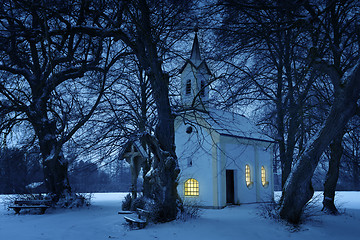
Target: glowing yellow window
{"x": 247, "y": 175}
{"x": 191, "y": 187}
{"x": 263, "y": 176}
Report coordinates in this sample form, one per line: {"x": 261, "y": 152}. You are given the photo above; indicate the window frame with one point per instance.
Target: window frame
{"x": 202, "y": 88}
{"x": 191, "y": 188}
{"x": 188, "y": 87}
{"x": 248, "y": 175}
{"x": 264, "y": 183}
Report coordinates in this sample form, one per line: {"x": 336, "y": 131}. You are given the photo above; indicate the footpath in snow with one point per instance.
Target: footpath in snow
{"x": 101, "y": 221}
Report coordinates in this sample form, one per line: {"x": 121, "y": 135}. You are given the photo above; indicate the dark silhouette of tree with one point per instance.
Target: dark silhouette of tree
{"x": 13, "y": 173}
{"x": 294, "y": 47}
{"x": 52, "y": 76}
{"x": 267, "y": 52}
{"x": 345, "y": 81}
{"x": 149, "y": 29}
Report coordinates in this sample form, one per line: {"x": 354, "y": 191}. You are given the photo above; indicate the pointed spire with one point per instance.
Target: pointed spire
{"x": 195, "y": 57}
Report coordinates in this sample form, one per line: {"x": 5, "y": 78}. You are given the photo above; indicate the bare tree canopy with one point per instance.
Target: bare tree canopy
{"x": 52, "y": 76}
{"x": 297, "y": 60}
{"x": 101, "y": 71}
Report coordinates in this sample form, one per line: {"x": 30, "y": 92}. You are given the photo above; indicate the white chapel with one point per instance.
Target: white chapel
{"x": 223, "y": 157}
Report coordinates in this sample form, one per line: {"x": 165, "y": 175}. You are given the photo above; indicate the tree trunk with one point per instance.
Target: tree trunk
{"x": 165, "y": 170}
{"x": 332, "y": 175}
{"x": 280, "y": 126}
{"x": 163, "y": 179}
{"x": 298, "y": 189}
{"x": 336, "y": 146}
{"x": 167, "y": 167}
{"x": 355, "y": 173}
{"x": 56, "y": 175}
{"x": 55, "y": 166}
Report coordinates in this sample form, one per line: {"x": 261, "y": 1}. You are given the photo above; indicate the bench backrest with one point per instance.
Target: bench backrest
{"x": 33, "y": 202}
{"x": 143, "y": 213}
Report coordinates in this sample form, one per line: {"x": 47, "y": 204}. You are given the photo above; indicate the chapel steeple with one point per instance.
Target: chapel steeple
{"x": 195, "y": 76}
{"x": 195, "y": 56}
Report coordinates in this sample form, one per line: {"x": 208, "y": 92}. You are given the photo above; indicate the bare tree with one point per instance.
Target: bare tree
{"x": 288, "y": 40}
{"x": 271, "y": 68}
{"x": 341, "y": 47}
{"x": 149, "y": 22}
{"x": 351, "y": 155}
{"x": 298, "y": 189}
{"x": 150, "y": 29}
{"x": 52, "y": 76}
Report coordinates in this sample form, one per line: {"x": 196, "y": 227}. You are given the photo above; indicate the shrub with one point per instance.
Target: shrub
{"x": 190, "y": 210}
{"x": 139, "y": 202}
{"x": 73, "y": 200}
{"x": 126, "y": 204}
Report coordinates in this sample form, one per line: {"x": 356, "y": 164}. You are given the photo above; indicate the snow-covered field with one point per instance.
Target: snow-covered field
{"x": 101, "y": 221}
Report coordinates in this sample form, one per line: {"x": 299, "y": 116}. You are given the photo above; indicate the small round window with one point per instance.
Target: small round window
{"x": 189, "y": 130}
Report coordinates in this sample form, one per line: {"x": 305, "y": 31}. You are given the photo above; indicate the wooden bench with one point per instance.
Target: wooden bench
{"x": 125, "y": 212}
{"x": 140, "y": 220}
{"x": 132, "y": 220}
{"x": 31, "y": 204}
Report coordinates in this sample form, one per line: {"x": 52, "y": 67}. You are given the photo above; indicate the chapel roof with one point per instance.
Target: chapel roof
{"x": 228, "y": 124}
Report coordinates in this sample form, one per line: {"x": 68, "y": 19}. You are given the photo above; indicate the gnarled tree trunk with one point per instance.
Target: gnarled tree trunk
{"x": 55, "y": 165}
{"x": 164, "y": 170}
{"x": 298, "y": 189}
{"x": 162, "y": 179}
{"x": 332, "y": 175}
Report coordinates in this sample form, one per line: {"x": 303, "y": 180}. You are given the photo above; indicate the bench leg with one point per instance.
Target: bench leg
{"x": 141, "y": 225}
{"x": 43, "y": 210}
{"x": 17, "y": 210}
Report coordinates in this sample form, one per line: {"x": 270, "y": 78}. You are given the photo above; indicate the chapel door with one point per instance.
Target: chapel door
{"x": 230, "y": 187}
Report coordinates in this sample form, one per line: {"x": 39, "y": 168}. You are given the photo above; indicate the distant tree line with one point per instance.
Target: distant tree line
{"x": 21, "y": 173}
{"x": 18, "y": 171}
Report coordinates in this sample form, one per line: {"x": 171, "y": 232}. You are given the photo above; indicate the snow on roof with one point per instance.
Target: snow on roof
{"x": 134, "y": 141}
{"x": 232, "y": 124}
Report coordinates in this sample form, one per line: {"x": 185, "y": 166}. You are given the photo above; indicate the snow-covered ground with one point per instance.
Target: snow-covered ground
{"x": 101, "y": 221}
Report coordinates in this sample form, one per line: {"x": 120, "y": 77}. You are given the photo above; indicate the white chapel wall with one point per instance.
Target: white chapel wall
{"x": 195, "y": 147}
{"x": 238, "y": 155}
{"x": 266, "y": 192}
{"x": 231, "y": 153}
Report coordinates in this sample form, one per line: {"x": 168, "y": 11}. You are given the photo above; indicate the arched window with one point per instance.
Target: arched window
{"x": 247, "y": 175}
{"x": 188, "y": 87}
{"x": 191, "y": 187}
{"x": 202, "y": 88}
{"x": 263, "y": 176}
